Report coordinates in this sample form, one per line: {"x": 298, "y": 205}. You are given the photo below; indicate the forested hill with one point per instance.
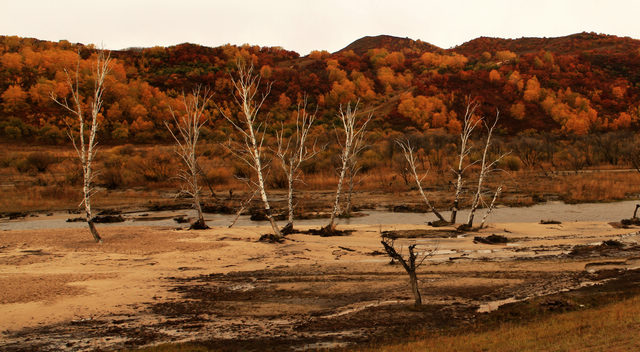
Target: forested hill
{"x": 576, "y": 84}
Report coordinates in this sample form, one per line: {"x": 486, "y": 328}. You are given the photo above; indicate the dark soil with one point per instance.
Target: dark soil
{"x": 78, "y": 219}
{"x": 550, "y": 222}
{"x": 108, "y": 219}
{"x": 395, "y": 234}
{"x": 630, "y": 222}
{"x": 327, "y": 231}
{"x": 218, "y": 208}
{"x": 605, "y": 249}
{"x": 199, "y": 225}
{"x": 284, "y": 309}
{"x": 491, "y": 239}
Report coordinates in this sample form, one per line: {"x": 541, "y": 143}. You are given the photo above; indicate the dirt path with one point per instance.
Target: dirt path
{"x": 146, "y": 286}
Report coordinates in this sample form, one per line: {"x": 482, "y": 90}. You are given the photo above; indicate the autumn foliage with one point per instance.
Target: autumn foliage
{"x": 572, "y": 85}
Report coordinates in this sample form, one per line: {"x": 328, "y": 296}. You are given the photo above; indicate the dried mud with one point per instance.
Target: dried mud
{"x": 223, "y": 289}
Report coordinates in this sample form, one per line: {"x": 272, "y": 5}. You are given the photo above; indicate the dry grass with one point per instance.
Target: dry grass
{"x": 30, "y": 180}
{"x": 599, "y": 187}
{"x": 610, "y": 328}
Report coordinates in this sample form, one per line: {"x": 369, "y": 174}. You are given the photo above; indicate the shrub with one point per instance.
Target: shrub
{"x": 40, "y": 161}
{"x": 50, "y": 134}
{"x": 511, "y": 163}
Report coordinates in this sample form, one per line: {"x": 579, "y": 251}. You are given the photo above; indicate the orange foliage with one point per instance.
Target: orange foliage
{"x": 395, "y": 60}
{"x": 12, "y": 61}
{"x": 505, "y": 56}
{"x": 622, "y": 121}
{"x": 266, "y": 71}
{"x": 427, "y": 112}
{"x": 532, "y": 92}
{"x": 516, "y": 80}
{"x": 517, "y": 110}
{"x": 618, "y": 92}
{"x": 453, "y": 61}
{"x": 13, "y": 98}
{"x": 284, "y": 101}
{"x": 319, "y": 54}
{"x": 494, "y": 76}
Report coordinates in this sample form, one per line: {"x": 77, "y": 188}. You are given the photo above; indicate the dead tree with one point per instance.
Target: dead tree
{"x": 86, "y": 150}
{"x": 469, "y": 124}
{"x": 293, "y": 151}
{"x": 486, "y": 167}
{"x": 409, "y": 155}
{"x": 251, "y": 130}
{"x": 410, "y": 264}
{"x": 188, "y": 126}
{"x": 353, "y": 130}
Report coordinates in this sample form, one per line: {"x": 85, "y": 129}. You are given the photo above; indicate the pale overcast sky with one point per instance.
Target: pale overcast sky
{"x": 305, "y": 25}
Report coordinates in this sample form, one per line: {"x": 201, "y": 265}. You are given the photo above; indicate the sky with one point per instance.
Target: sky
{"x": 305, "y": 25}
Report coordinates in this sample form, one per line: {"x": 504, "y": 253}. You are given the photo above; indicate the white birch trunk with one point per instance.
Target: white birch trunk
{"x": 86, "y": 151}
{"x": 485, "y": 168}
{"x": 467, "y": 129}
{"x": 353, "y": 143}
{"x": 188, "y": 126}
{"x": 246, "y": 87}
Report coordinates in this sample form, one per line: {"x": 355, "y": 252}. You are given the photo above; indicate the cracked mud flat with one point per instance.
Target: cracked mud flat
{"x": 221, "y": 287}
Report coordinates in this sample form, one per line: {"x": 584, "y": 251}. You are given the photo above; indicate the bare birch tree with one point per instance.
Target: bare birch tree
{"x": 353, "y": 128}
{"x": 409, "y": 155}
{"x": 188, "y": 125}
{"x": 469, "y": 124}
{"x": 251, "y": 130}
{"x": 293, "y": 151}
{"x": 86, "y": 150}
{"x": 486, "y": 167}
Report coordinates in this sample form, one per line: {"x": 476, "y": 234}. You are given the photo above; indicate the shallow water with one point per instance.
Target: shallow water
{"x": 548, "y": 211}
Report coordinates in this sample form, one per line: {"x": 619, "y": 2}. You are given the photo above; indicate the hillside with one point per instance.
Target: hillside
{"x": 389, "y": 43}
{"x": 573, "y": 85}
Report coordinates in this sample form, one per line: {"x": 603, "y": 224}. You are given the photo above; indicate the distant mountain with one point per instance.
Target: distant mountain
{"x": 391, "y": 43}
{"x": 572, "y": 44}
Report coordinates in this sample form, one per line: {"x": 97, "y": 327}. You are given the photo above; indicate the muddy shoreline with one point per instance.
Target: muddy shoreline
{"x": 223, "y": 289}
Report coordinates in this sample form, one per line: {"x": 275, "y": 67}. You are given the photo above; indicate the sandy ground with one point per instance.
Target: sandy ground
{"x": 59, "y": 290}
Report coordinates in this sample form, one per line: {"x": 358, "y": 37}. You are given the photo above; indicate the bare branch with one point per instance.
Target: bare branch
{"x": 188, "y": 125}
{"x": 86, "y": 150}
{"x": 246, "y": 86}
{"x": 408, "y": 151}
